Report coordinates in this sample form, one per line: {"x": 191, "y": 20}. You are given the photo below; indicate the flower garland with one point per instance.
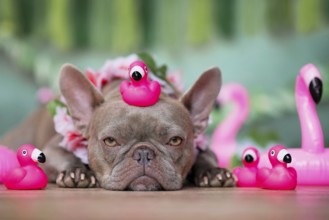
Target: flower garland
{"x": 111, "y": 70}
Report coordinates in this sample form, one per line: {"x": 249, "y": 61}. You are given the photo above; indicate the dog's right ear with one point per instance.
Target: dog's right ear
{"x": 200, "y": 99}
{"x": 81, "y": 96}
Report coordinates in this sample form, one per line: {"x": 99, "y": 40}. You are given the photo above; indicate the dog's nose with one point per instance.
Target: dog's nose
{"x": 143, "y": 155}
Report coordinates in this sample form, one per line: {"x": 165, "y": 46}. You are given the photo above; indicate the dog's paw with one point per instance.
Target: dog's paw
{"x": 76, "y": 178}
{"x": 215, "y": 177}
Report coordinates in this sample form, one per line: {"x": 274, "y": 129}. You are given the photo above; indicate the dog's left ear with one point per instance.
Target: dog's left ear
{"x": 199, "y": 100}
{"x": 81, "y": 96}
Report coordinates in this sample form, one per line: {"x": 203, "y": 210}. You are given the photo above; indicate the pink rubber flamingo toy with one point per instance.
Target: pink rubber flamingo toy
{"x": 224, "y": 137}
{"x": 312, "y": 160}
{"x": 140, "y": 91}
{"x": 247, "y": 175}
{"x": 280, "y": 177}
{"x": 8, "y": 161}
{"x": 29, "y": 175}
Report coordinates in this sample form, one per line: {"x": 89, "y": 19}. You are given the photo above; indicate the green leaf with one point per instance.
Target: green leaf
{"x": 149, "y": 61}
{"x": 262, "y": 138}
{"x": 51, "y": 106}
{"x": 236, "y": 161}
{"x": 162, "y": 71}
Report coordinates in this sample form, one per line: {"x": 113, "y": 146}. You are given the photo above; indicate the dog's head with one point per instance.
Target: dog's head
{"x": 139, "y": 148}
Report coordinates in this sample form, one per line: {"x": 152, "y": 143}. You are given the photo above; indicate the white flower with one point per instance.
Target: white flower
{"x": 63, "y": 122}
{"x": 82, "y": 153}
{"x": 116, "y": 68}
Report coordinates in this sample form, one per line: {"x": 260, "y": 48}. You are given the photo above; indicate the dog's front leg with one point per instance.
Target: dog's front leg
{"x": 64, "y": 168}
{"x": 206, "y": 173}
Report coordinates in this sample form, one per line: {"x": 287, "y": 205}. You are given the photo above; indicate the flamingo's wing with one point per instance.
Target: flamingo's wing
{"x": 124, "y": 86}
{"x": 293, "y": 172}
{"x": 262, "y": 174}
{"x": 155, "y": 86}
{"x": 14, "y": 176}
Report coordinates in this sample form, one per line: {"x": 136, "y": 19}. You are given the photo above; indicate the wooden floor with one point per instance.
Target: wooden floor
{"x": 190, "y": 203}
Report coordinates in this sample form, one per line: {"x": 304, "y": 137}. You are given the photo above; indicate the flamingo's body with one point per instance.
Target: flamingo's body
{"x": 29, "y": 175}
{"x": 247, "y": 175}
{"x": 140, "y": 91}
{"x": 279, "y": 177}
{"x": 312, "y": 160}
{"x": 223, "y": 141}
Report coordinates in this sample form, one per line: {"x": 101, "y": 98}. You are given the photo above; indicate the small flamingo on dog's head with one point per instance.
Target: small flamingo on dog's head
{"x": 140, "y": 91}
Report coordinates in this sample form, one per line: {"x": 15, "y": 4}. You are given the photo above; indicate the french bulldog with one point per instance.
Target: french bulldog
{"x": 129, "y": 147}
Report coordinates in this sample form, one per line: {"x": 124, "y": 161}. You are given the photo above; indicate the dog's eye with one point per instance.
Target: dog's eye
{"x": 175, "y": 141}
{"x": 111, "y": 142}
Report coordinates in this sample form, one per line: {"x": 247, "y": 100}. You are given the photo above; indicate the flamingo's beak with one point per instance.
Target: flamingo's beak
{"x": 315, "y": 88}
{"x": 42, "y": 158}
{"x": 38, "y": 156}
{"x": 287, "y": 158}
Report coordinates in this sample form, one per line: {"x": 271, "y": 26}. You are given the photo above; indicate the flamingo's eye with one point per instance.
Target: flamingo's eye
{"x": 249, "y": 156}
{"x": 284, "y": 156}
{"x": 137, "y": 73}
{"x": 24, "y": 152}
{"x": 272, "y": 153}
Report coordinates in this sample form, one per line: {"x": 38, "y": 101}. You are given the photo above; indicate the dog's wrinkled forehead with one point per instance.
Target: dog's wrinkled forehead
{"x": 125, "y": 121}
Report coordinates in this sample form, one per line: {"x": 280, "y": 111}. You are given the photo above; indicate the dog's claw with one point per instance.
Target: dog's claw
{"x": 92, "y": 182}
{"x": 204, "y": 182}
{"x": 215, "y": 177}
{"x": 235, "y": 178}
{"x": 219, "y": 177}
{"x": 59, "y": 180}
{"x": 72, "y": 175}
{"x": 76, "y": 178}
{"x": 229, "y": 183}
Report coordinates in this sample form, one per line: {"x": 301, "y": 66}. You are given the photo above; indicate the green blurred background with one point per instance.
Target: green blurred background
{"x": 261, "y": 44}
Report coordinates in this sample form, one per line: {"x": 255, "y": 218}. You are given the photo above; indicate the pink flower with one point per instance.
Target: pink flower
{"x": 45, "y": 95}
{"x": 63, "y": 122}
{"x": 201, "y": 141}
{"x": 176, "y": 78}
{"x": 116, "y": 68}
{"x": 72, "y": 138}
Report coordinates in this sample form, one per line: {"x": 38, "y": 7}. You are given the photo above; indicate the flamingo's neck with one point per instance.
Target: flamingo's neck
{"x": 228, "y": 129}
{"x": 312, "y": 135}
{"x": 280, "y": 165}
{"x": 24, "y": 164}
{"x": 134, "y": 83}
{"x": 140, "y": 83}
